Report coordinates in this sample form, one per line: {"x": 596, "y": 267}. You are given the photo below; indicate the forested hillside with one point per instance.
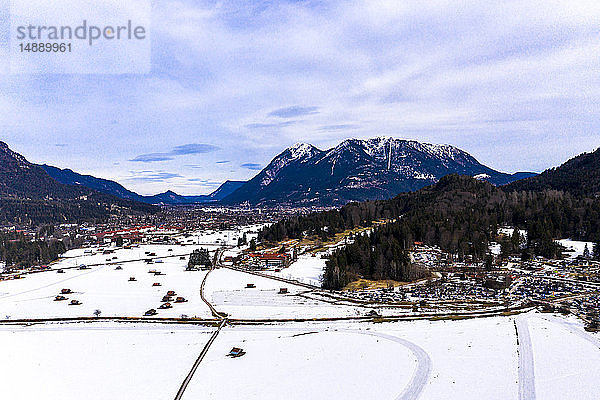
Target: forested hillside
{"x": 380, "y": 255}
{"x": 579, "y": 176}
{"x": 29, "y": 196}
{"x": 460, "y": 214}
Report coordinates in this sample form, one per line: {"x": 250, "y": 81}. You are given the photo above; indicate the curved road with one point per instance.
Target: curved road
{"x": 420, "y": 376}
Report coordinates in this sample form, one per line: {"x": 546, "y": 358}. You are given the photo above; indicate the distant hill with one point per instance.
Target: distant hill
{"x": 28, "y": 195}
{"x": 579, "y": 176}
{"x": 69, "y": 177}
{"x": 357, "y": 170}
{"x": 227, "y": 188}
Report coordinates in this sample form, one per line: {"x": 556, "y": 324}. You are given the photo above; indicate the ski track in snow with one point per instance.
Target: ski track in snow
{"x": 526, "y": 362}
{"x": 421, "y": 375}
{"x": 526, "y": 370}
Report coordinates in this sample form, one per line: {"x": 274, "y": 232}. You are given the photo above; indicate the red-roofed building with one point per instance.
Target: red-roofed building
{"x": 279, "y": 260}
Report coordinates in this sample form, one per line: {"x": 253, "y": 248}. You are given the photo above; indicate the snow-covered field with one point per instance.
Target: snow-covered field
{"x": 566, "y": 359}
{"x": 511, "y": 357}
{"x": 306, "y": 269}
{"x": 305, "y": 363}
{"x": 226, "y": 290}
{"x": 97, "y": 361}
{"x": 465, "y": 359}
{"x": 106, "y": 289}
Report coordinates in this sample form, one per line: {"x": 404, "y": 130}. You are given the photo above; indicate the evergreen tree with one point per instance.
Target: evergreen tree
{"x": 199, "y": 257}
{"x": 586, "y": 252}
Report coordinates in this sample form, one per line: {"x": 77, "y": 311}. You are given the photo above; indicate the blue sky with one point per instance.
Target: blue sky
{"x": 514, "y": 83}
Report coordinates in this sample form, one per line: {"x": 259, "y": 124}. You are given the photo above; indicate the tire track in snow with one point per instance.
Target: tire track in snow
{"x": 526, "y": 369}
{"x": 572, "y": 329}
{"x": 421, "y": 375}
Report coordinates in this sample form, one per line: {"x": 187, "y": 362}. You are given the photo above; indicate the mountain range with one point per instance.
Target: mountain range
{"x": 68, "y": 177}
{"x": 354, "y": 170}
{"x": 357, "y": 170}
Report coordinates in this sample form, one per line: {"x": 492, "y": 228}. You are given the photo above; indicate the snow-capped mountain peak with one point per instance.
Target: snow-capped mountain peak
{"x": 358, "y": 169}
{"x": 302, "y": 150}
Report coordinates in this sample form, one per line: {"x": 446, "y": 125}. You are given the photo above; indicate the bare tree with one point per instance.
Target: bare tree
{"x": 97, "y": 313}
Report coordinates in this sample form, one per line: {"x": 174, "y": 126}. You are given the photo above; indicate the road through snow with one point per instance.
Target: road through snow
{"x": 526, "y": 369}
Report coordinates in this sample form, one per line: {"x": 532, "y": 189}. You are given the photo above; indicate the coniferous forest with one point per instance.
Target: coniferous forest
{"x": 18, "y": 250}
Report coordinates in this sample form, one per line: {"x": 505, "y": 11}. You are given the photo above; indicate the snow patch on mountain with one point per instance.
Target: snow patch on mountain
{"x": 481, "y": 177}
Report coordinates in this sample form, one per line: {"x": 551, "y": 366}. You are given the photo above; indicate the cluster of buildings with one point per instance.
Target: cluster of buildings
{"x": 269, "y": 260}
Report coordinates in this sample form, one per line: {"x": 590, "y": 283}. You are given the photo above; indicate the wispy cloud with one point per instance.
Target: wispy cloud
{"x": 186, "y": 149}
{"x": 251, "y": 166}
{"x": 294, "y": 111}
{"x": 270, "y": 125}
{"x": 513, "y": 84}
{"x": 152, "y": 157}
{"x": 204, "y": 182}
{"x": 153, "y": 176}
{"x": 194, "y": 148}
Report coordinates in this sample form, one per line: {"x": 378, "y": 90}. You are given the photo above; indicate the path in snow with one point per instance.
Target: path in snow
{"x": 572, "y": 328}
{"x": 189, "y": 376}
{"x": 421, "y": 375}
{"x": 214, "y": 312}
{"x": 526, "y": 371}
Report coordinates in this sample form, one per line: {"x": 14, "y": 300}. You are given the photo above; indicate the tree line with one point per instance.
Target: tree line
{"x": 18, "y": 250}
